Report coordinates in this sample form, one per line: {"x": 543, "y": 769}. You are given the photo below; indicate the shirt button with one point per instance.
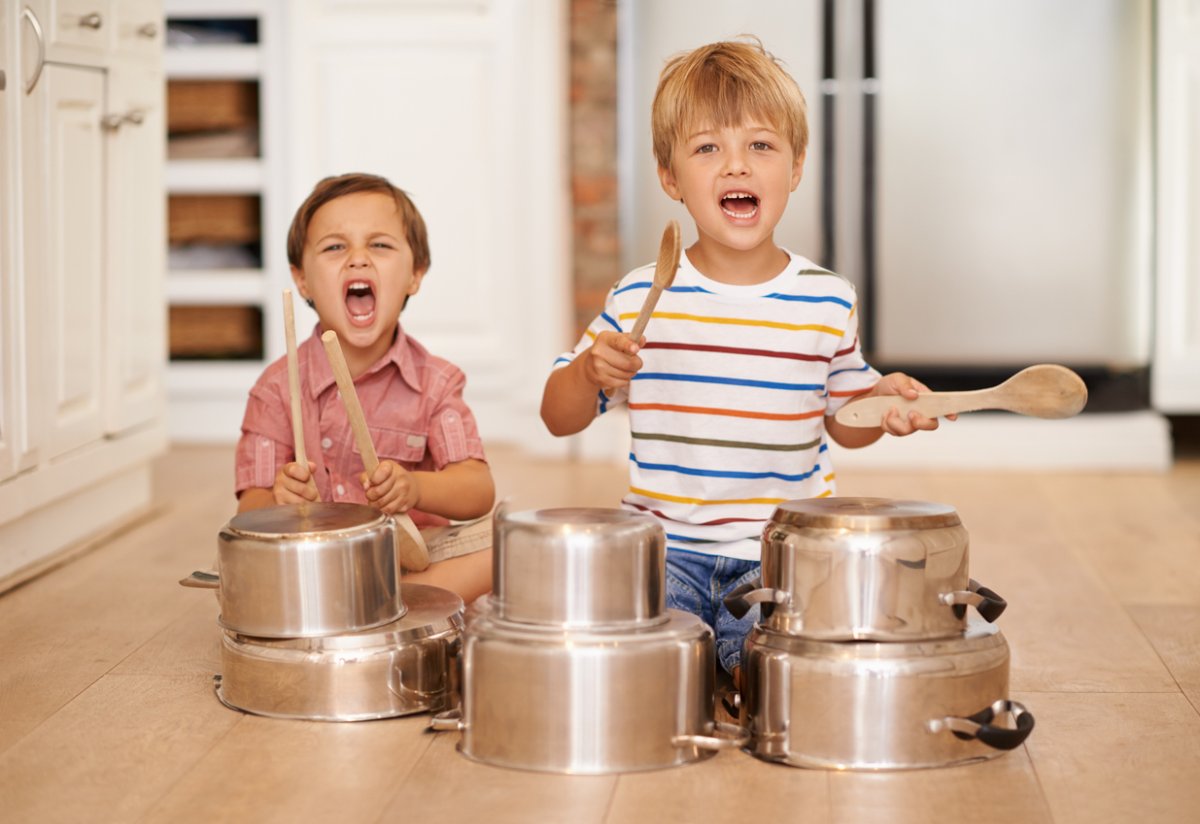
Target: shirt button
{"x": 326, "y": 443}
{"x": 341, "y": 490}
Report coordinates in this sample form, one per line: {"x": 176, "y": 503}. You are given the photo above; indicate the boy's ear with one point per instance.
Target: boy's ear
{"x": 415, "y": 284}
{"x": 299, "y": 280}
{"x": 667, "y": 178}
{"x": 798, "y": 170}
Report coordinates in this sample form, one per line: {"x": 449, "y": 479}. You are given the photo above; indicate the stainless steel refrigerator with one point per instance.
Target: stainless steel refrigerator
{"x": 980, "y": 169}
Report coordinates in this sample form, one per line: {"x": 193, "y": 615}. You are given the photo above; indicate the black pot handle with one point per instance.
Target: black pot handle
{"x": 989, "y": 604}
{"x": 979, "y": 726}
{"x": 741, "y": 600}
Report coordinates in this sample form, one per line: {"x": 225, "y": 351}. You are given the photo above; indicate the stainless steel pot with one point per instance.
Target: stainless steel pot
{"x": 579, "y": 568}
{"x": 306, "y": 571}
{"x": 866, "y": 569}
{"x": 401, "y": 668}
{"x": 880, "y": 706}
{"x": 587, "y": 702}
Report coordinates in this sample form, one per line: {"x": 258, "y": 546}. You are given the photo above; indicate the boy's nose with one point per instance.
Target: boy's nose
{"x": 735, "y": 163}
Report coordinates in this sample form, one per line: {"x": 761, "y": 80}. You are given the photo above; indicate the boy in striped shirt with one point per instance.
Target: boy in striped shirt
{"x": 732, "y": 391}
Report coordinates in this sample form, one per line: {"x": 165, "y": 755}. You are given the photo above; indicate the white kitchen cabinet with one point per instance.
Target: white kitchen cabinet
{"x": 1175, "y": 385}
{"x": 81, "y": 326}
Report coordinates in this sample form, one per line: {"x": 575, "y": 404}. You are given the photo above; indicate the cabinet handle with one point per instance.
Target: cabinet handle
{"x": 31, "y": 18}
{"x": 148, "y": 30}
{"x": 112, "y": 122}
{"x": 3, "y": 80}
{"x": 91, "y": 21}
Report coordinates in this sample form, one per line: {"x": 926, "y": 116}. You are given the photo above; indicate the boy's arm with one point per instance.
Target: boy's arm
{"x": 895, "y": 383}
{"x": 569, "y": 399}
{"x": 459, "y": 491}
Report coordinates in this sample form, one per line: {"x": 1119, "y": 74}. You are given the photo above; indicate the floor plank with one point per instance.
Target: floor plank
{"x": 1116, "y": 758}
{"x": 1175, "y": 633}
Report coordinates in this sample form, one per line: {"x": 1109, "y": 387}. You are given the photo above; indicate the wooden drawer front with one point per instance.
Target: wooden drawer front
{"x": 211, "y": 105}
{"x": 214, "y": 219}
{"x": 216, "y": 332}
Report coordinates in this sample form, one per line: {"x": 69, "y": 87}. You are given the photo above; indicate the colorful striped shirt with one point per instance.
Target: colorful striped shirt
{"x": 727, "y": 414}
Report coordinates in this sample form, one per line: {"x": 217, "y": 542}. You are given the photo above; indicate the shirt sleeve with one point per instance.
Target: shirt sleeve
{"x": 266, "y": 441}
{"x": 453, "y": 433}
{"x": 849, "y": 373}
{"x": 606, "y": 320}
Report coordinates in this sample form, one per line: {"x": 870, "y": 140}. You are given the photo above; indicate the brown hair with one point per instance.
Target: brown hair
{"x": 331, "y": 188}
{"x": 725, "y": 84}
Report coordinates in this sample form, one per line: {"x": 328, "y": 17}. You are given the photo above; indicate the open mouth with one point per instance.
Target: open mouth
{"x": 360, "y": 301}
{"x": 740, "y": 205}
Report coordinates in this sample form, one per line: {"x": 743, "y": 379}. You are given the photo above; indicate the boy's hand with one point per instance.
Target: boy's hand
{"x": 294, "y": 484}
{"x": 895, "y": 423}
{"x": 612, "y": 361}
{"x": 391, "y": 488}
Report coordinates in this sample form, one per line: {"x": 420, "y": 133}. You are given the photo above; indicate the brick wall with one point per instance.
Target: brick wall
{"x": 594, "y": 155}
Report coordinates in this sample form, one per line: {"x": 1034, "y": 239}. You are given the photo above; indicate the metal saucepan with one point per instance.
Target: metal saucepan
{"x": 401, "y": 668}
{"x": 880, "y": 706}
{"x": 579, "y": 568}
{"x": 305, "y": 571}
{"x": 866, "y": 569}
{"x": 588, "y": 701}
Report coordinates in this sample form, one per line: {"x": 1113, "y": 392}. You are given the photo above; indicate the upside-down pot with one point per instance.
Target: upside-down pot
{"x": 880, "y": 705}
{"x": 587, "y": 701}
{"x": 866, "y": 569}
{"x": 404, "y": 667}
{"x": 576, "y": 568}
{"x": 306, "y": 571}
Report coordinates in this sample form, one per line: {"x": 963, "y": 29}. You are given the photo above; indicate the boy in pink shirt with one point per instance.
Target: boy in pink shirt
{"x": 358, "y": 250}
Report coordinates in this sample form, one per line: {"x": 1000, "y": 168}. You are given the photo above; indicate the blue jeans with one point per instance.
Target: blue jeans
{"x": 698, "y": 584}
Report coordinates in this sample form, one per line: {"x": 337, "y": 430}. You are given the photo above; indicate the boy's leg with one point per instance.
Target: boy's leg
{"x": 688, "y": 577}
{"x": 731, "y": 632}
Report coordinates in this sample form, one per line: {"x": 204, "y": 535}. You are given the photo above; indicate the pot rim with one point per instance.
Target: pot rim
{"x": 864, "y": 514}
{"x": 327, "y": 519}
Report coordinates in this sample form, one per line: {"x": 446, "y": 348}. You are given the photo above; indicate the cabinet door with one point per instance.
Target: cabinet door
{"x": 62, "y": 191}
{"x": 10, "y": 83}
{"x": 135, "y": 325}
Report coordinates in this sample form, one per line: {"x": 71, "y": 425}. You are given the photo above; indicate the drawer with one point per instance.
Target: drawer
{"x": 140, "y": 28}
{"x": 79, "y": 31}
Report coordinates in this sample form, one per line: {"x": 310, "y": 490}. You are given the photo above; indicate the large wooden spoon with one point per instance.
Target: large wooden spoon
{"x": 414, "y": 554}
{"x": 664, "y": 273}
{"x": 1044, "y": 391}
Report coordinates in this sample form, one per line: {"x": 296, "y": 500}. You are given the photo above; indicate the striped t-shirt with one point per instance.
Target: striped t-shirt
{"x": 727, "y": 412}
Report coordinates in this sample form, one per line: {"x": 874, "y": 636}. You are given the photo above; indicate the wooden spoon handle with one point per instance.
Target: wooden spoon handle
{"x": 293, "y": 363}
{"x": 870, "y": 411}
{"x": 414, "y": 554}
{"x": 639, "y": 326}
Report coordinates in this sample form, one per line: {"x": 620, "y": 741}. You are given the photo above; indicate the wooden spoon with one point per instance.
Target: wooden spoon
{"x": 1044, "y": 391}
{"x": 293, "y": 363}
{"x": 414, "y": 554}
{"x": 664, "y": 273}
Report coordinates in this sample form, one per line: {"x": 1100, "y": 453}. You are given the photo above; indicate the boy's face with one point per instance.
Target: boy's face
{"x": 357, "y": 269}
{"x": 734, "y": 181}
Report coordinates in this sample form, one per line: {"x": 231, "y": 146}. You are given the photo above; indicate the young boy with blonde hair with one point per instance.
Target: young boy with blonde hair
{"x": 358, "y": 251}
{"x": 732, "y": 391}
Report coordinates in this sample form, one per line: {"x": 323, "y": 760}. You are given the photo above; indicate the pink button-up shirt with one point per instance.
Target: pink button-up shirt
{"x": 412, "y": 401}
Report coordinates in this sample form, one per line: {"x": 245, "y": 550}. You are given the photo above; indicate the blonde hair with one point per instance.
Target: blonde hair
{"x": 725, "y": 84}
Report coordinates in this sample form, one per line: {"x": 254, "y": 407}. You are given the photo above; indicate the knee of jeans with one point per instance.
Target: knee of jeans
{"x": 681, "y": 595}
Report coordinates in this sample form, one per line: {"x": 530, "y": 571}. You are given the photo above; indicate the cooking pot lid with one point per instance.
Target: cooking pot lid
{"x": 430, "y": 611}
{"x": 613, "y": 523}
{"x": 865, "y": 514}
{"x": 297, "y": 519}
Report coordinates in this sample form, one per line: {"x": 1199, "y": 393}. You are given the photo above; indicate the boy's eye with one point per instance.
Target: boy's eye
{"x": 332, "y": 247}
{"x": 382, "y": 244}
{"x": 706, "y": 148}
{"x": 760, "y": 145}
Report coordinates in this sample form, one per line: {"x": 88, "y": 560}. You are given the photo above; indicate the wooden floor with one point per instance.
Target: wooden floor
{"x": 107, "y": 710}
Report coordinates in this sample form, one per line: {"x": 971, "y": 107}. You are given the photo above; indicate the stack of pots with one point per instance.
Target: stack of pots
{"x": 316, "y": 624}
{"x": 864, "y": 656}
{"x": 574, "y": 664}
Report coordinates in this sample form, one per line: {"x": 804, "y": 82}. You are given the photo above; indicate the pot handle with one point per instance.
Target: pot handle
{"x": 448, "y": 721}
{"x": 202, "y": 580}
{"x": 741, "y": 600}
{"x": 729, "y": 737}
{"x": 986, "y": 601}
{"x": 979, "y": 725}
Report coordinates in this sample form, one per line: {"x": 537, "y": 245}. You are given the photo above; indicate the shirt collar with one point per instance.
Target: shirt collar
{"x": 316, "y": 362}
